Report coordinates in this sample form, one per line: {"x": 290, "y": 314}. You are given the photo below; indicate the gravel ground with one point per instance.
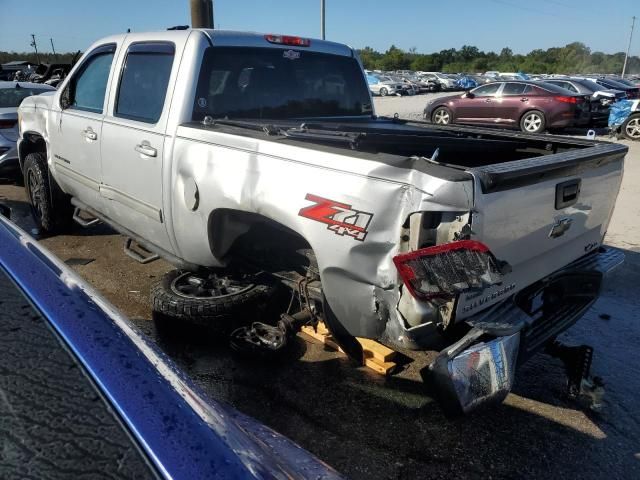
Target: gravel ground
{"x": 367, "y": 426}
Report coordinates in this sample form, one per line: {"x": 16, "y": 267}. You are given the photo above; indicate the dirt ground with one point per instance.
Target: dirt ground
{"x": 367, "y": 426}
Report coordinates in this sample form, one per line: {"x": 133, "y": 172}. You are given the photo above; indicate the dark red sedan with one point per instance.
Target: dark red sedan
{"x": 530, "y": 106}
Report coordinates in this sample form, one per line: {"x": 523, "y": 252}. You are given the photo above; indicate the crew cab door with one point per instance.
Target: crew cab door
{"x": 77, "y": 127}
{"x": 133, "y": 140}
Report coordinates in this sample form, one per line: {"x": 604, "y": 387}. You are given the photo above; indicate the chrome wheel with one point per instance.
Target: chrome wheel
{"x": 632, "y": 130}
{"x": 441, "y": 117}
{"x": 383, "y": 92}
{"x": 191, "y": 285}
{"x": 532, "y": 122}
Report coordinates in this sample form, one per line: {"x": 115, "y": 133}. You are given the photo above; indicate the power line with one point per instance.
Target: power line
{"x": 626, "y": 57}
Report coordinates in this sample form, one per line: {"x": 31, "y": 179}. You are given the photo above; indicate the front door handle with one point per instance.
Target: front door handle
{"x": 488, "y": 100}
{"x": 89, "y": 134}
{"x": 145, "y": 149}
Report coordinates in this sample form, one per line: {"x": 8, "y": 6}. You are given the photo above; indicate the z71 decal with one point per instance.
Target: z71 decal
{"x": 339, "y": 217}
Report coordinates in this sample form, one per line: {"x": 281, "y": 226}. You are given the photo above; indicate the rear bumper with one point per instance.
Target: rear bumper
{"x": 480, "y": 368}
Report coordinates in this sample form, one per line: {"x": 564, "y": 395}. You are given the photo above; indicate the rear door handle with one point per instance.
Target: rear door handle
{"x": 145, "y": 149}
{"x": 90, "y": 134}
{"x": 524, "y": 99}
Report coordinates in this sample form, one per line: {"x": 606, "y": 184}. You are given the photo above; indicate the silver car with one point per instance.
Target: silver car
{"x": 383, "y": 85}
{"x": 11, "y": 94}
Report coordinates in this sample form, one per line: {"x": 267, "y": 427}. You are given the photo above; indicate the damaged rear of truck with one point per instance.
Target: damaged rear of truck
{"x": 266, "y": 153}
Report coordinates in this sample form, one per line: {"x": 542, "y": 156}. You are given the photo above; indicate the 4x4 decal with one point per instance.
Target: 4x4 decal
{"x": 339, "y": 217}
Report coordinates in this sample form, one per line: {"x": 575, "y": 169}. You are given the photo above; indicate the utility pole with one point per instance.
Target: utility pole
{"x": 35, "y": 47}
{"x": 201, "y": 13}
{"x": 626, "y": 57}
{"x": 322, "y": 19}
{"x": 52, "y": 47}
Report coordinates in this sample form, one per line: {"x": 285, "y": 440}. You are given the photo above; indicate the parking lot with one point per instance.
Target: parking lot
{"x": 368, "y": 426}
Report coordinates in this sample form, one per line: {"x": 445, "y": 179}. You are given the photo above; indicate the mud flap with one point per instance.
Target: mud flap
{"x": 342, "y": 337}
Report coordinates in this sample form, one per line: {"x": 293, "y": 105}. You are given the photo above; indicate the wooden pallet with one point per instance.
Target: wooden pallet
{"x": 377, "y": 357}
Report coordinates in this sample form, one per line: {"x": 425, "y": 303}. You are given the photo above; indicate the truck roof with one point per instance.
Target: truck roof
{"x": 232, "y": 38}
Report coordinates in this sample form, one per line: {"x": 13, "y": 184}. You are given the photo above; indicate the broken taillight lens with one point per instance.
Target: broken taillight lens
{"x": 445, "y": 271}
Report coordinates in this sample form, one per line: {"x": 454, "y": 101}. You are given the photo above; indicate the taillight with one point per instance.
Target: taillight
{"x": 288, "y": 40}
{"x": 7, "y": 123}
{"x": 445, "y": 271}
{"x": 567, "y": 99}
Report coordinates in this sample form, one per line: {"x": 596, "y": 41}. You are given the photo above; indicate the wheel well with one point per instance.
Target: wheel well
{"x": 544, "y": 117}
{"x": 433, "y": 112}
{"x": 32, "y": 143}
{"x": 259, "y": 240}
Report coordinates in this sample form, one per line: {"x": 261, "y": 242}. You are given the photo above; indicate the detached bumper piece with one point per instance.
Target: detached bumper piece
{"x": 471, "y": 374}
{"x": 480, "y": 368}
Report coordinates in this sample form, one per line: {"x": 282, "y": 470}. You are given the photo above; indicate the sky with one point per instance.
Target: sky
{"x": 426, "y": 25}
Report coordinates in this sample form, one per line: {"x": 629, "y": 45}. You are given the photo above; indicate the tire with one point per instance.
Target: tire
{"x": 441, "y": 116}
{"x": 384, "y": 92}
{"x": 177, "y": 297}
{"x": 50, "y": 207}
{"x": 631, "y": 127}
{"x": 533, "y": 121}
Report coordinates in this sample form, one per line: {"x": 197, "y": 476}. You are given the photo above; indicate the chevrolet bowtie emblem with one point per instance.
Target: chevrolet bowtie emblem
{"x": 560, "y": 227}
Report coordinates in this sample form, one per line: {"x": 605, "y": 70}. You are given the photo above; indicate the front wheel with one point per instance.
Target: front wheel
{"x": 384, "y": 92}
{"x": 533, "y": 122}
{"x": 441, "y": 116}
{"x": 49, "y": 217}
{"x": 631, "y": 127}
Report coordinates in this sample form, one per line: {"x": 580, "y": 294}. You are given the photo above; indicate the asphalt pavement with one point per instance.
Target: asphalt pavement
{"x": 370, "y": 427}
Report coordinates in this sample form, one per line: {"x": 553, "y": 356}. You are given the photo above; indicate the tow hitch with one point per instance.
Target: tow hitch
{"x": 581, "y": 386}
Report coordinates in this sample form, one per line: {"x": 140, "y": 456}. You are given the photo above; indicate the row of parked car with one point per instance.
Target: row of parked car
{"x": 534, "y": 106}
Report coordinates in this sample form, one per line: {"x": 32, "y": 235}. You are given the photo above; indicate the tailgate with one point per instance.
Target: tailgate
{"x": 541, "y": 214}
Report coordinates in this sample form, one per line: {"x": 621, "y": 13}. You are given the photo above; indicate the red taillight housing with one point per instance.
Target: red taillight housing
{"x": 288, "y": 40}
{"x": 445, "y": 271}
{"x": 568, "y": 99}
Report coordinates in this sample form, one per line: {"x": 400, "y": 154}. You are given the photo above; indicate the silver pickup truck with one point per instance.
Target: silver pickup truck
{"x": 213, "y": 149}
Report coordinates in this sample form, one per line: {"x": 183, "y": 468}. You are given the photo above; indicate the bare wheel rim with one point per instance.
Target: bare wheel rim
{"x": 35, "y": 193}
{"x": 442, "y": 117}
{"x": 190, "y": 285}
{"x": 532, "y": 122}
{"x": 633, "y": 128}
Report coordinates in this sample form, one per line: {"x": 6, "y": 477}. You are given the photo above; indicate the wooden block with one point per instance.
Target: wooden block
{"x": 378, "y": 351}
{"x": 377, "y": 356}
{"x": 383, "y": 368}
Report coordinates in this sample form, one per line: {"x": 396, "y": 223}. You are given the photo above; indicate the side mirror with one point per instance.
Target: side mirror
{"x": 468, "y": 95}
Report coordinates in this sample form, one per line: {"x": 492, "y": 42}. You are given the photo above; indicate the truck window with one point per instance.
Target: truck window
{"x": 144, "y": 80}
{"x": 247, "y": 82}
{"x": 87, "y": 89}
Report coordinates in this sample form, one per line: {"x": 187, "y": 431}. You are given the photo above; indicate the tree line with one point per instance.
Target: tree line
{"x": 6, "y": 57}
{"x": 572, "y": 58}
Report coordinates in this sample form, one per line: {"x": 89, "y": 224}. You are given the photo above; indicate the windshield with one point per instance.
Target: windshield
{"x": 243, "y": 82}
{"x": 12, "y": 97}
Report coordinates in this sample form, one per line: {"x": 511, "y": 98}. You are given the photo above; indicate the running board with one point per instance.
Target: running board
{"x": 139, "y": 252}
{"x": 83, "y": 222}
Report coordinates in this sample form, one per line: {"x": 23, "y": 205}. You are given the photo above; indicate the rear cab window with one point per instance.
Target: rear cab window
{"x": 142, "y": 88}
{"x": 258, "y": 82}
